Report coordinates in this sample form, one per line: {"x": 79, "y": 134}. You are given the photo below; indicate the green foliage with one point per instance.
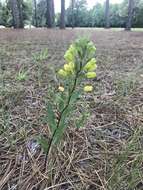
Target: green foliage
{"x": 5, "y": 15}
{"x": 80, "y": 16}
{"x": 43, "y": 143}
{"x": 95, "y": 16}
{"x": 22, "y": 75}
{"x": 27, "y": 11}
{"x": 39, "y": 59}
{"x": 41, "y": 14}
{"x": 138, "y": 14}
{"x": 126, "y": 86}
{"x": 72, "y": 78}
{"x": 5, "y": 120}
{"x": 117, "y": 18}
{"x": 42, "y": 56}
{"x": 51, "y": 117}
{"x": 126, "y": 171}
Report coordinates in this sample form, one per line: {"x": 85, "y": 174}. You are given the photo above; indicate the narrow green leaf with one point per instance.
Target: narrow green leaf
{"x": 74, "y": 97}
{"x": 51, "y": 117}
{"x": 62, "y": 126}
{"x": 60, "y": 99}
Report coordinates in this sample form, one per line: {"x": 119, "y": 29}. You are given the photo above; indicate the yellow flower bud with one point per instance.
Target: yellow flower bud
{"x": 91, "y": 46}
{"x": 72, "y": 67}
{"x": 91, "y": 75}
{"x": 70, "y": 54}
{"x": 67, "y": 67}
{"x": 69, "y": 57}
{"x": 61, "y": 88}
{"x": 62, "y": 73}
{"x": 72, "y": 48}
{"x": 88, "y": 88}
{"x": 91, "y": 65}
{"x": 71, "y": 64}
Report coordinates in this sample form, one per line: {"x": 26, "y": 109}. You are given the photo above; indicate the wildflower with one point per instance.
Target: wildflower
{"x": 61, "y": 88}
{"x": 88, "y": 88}
{"x": 62, "y": 73}
{"x": 91, "y": 65}
{"x": 91, "y": 75}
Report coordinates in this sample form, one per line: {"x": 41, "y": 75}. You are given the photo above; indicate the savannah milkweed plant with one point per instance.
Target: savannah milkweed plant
{"x": 74, "y": 80}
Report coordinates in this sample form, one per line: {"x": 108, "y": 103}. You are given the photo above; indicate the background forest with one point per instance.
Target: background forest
{"x": 34, "y": 12}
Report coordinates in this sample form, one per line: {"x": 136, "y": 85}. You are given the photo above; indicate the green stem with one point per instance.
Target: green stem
{"x": 59, "y": 120}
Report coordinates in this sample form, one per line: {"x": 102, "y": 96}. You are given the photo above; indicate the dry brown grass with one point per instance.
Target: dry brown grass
{"x": 90, "y": 158}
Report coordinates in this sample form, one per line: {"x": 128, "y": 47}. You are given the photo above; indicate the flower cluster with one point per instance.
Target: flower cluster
{"x": 80, "y": 61}
{"x": 69, "y": 67}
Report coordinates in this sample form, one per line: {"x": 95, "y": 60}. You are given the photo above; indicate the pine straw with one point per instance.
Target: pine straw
{"x": 87, "y": 159}
{"x": 82, "y": 162}
{"x": 65, "y": 168}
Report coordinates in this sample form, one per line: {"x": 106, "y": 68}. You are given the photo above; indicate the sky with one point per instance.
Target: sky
{"x": 91, "y": 3}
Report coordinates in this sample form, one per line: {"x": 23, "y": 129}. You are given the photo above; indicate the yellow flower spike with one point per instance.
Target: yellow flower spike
{"x": 88, "y": 88}
{"x": 61, "y": 88}
{"x": 62, "y": 73}
{"x": 91, "y": 65}
{"x": 91, "y": 75}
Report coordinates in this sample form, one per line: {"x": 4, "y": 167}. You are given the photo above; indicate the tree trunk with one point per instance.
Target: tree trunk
{"x": 35, "y": 13}
{"x": 50, "y": 14}
{"x": 53, "y": 13}
{"x": 107, "y": 14}
{"x": 62, "y": 20}
{"x": 20, "y": 5}
{"x": 73, "y": 4}
{"x": 17, "y": 14}
{"x": 130, "y": 15}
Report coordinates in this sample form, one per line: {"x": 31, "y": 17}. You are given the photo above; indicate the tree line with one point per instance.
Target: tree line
{"x": 41, "y": 13}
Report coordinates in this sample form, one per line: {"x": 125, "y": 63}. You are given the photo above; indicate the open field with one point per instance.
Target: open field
{"x": 105, "y": 155}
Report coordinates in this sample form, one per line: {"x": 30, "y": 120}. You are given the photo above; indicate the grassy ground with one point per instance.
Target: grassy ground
{"x": 106, "y": 154}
